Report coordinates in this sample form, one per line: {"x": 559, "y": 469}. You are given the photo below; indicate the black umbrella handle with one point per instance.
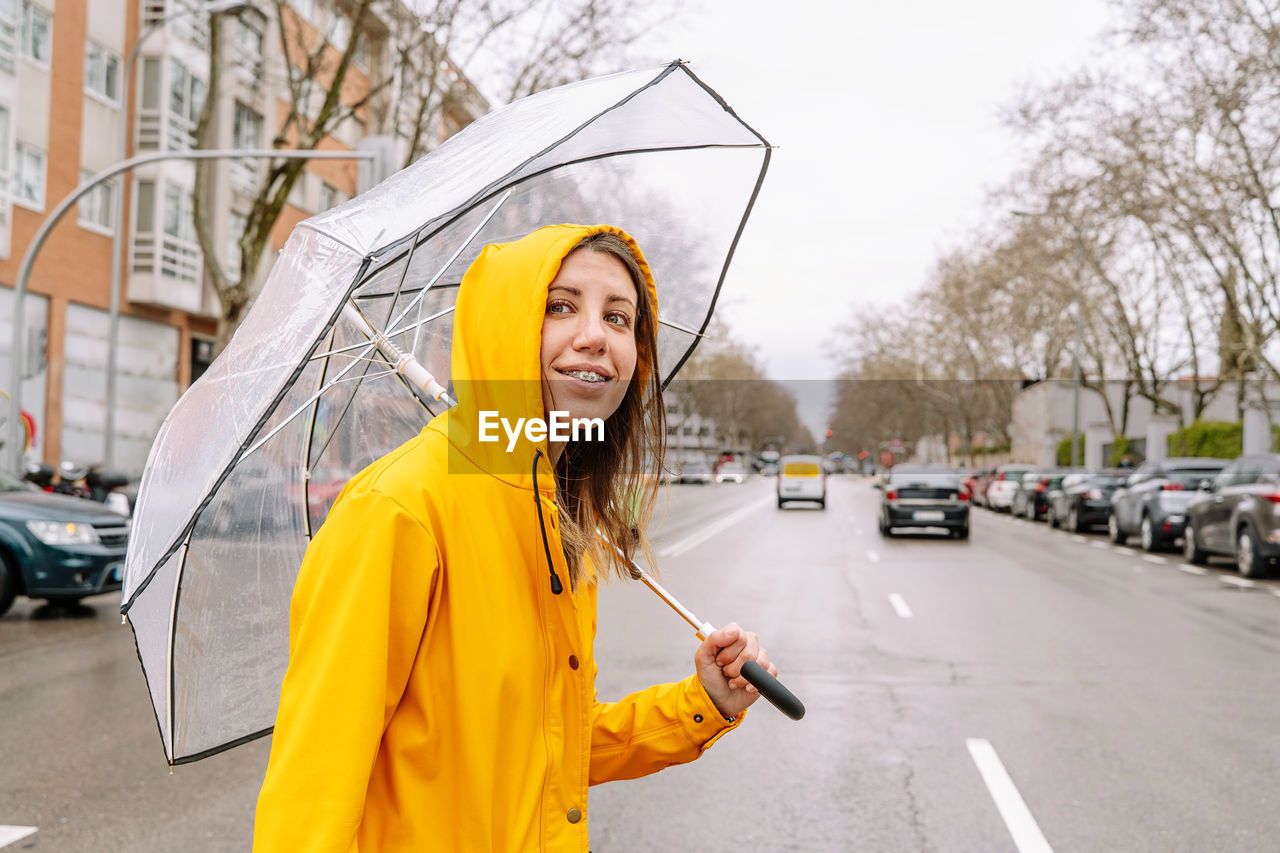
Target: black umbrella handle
{"x": 773, "y": 690}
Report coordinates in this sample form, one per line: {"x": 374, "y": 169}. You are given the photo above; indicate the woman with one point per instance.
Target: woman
{"x": 440, "y": 692}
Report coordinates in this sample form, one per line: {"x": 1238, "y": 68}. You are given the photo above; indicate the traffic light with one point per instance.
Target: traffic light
{"x": 830, "y": 433}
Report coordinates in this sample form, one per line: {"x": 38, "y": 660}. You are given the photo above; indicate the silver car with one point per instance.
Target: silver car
{"x": 1238, "y": 515}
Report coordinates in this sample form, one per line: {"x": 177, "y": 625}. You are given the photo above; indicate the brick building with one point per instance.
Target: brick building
{"x": 62, "y": 78}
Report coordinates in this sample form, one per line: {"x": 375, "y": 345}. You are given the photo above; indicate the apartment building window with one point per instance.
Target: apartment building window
{"x": 246, "y": 132}
{"x": 28, "y": 176}
{"x": 179, "y": 213}
{"x": 101, "y": 71}
{"x": 97, "y": 207}
{"x": 173, "y": 251}
{"x": 235, "y": 230}
{"x": 9, "y": 22}
{"x": 339, "y": 32}
{"x": 248, "y": 50}
{"x": 190, "y": 22}
{"x": 37, "y": 33}
{"x": 328, "y": 196}
{"x": 186, "y": 97}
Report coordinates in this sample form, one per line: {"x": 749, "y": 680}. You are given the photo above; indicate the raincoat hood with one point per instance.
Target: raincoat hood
{"x": 497, "y": 341}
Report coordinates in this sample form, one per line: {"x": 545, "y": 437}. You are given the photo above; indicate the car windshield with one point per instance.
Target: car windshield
{"x": 731, "y": 467}
{"x": 10, "y": 483}
{"x": 696, "y": 466}
{"x": 1106, "y": 481}
{"x": 930, "y": 481}
{"x": 1015, "y": 476}
{"x": 1190, "y": 477}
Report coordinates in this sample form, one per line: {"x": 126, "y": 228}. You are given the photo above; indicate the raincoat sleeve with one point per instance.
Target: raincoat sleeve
{"x": 358, "y": 614}
{"x": 655, "y": 728}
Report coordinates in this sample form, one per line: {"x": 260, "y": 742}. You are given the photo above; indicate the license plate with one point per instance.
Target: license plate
{"x": 928, "y": 515}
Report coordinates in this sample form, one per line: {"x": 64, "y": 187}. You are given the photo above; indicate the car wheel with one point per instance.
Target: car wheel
{"x": 962, "y": 533}
{"x": 1149, "y": 540}
{"x": 1191, "y": 549}
{"x": 885, "y": 529}
{"x": 1051, "y": 517}
{"x": 822, "y": 504}
{"x": 1073, "y": 520}
{"x": 1249, "y": 562}
{"x": 8, "y": 582}
{"x": 780, "y": 503}
{"x": 1116, "y": 535}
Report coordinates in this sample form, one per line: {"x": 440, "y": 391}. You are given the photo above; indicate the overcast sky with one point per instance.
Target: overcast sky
{"x": 885, "y": 115}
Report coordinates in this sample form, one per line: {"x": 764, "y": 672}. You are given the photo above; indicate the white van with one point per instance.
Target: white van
{"x": 801, "y": 478}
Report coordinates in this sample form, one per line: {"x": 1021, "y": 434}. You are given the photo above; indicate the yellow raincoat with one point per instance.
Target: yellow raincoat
{"x": 439, "y": 695}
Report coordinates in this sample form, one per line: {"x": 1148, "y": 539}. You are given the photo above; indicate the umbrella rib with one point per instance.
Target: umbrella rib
{"x": 417, "y": 300}
{"x": 680, "y": 327}
{"x": 421, "y": 323}
{"x": 316, "y": 396}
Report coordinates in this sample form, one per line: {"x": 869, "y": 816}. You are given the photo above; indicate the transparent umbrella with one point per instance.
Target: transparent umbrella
{"x": 345, "y": 355}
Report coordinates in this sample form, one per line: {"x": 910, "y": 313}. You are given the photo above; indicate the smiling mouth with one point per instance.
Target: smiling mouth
{"x": 585, "y": 375}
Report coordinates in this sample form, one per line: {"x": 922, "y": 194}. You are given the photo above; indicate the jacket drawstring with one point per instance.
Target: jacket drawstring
{"x": 556, "y": 587}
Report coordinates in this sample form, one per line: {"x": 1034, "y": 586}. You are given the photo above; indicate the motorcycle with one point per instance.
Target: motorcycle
{"x": 91, "y": 483}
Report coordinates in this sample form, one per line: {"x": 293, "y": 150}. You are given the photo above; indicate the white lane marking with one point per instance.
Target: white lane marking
{"x": 690, "y": 542}
{"x": 1243, "y": 583}
{"x": 873, "y": 556}
{"x": 1017, "y": 817}
{"x": 1102, "y": 545}
{"x": 10, "y": 834}
{"x": 900, "y": 605}
{"x": 1120, "y": 549}
{"x": 1193, "y": 570}
{"x": 1152, "y": 558}
{"x": 1076, "y": 537}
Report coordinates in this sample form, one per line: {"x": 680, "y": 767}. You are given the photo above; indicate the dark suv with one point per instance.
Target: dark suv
{"x": 1238, "y": 515}
{"x": 55, "y": 546}
{"x": 1153, "y": 501}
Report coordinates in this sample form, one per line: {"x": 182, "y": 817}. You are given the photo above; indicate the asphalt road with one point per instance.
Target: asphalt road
{"x": 1025, "y": 684}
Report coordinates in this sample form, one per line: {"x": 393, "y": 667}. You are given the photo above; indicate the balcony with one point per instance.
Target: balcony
{"x": 166, "y": 271}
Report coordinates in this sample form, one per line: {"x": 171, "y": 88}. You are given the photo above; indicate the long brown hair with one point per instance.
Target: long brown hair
{"x": 608, "y": 488}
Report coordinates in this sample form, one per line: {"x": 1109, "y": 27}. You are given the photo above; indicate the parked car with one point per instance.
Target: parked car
{"x": 1235, "y": 515}
{"x": 57, "y": 547}
{"x": 730, "y": 472}
{"x": 801, "y": 478}
{"x": 1153, "y": 501}
{"x": 1083, "y": 500}
{"x": 1004, "y": 483}
{"x": 921, "y": 497}
{"x": 1031, "y": 500}
{"x": 695, "y": 471}
{"x": 981, "y": 482}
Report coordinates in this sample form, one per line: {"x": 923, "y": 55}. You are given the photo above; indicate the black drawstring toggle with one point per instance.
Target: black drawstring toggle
{"x": 556, "y": 586}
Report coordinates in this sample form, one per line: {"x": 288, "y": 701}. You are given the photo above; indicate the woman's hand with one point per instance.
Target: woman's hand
{"x": 718, "y": 662}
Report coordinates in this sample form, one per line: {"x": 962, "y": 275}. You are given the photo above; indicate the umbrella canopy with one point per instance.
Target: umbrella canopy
{"x": 249, "y": 461}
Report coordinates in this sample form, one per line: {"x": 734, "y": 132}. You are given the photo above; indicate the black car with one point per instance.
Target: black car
{"x": 1238, "y": 515}
{"x": 924, "y": 497}
{"x": 1153, "y": 501}
{"x": 57, "y": 547}
{"x": 1083, "y": 501}
{"x": 1031, "y": 500}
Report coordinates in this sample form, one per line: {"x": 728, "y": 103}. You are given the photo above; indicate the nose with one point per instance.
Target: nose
{"x": 590, "y": 334}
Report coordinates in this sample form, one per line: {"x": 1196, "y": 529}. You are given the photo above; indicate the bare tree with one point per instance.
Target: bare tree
{"x": 412, "y": 89}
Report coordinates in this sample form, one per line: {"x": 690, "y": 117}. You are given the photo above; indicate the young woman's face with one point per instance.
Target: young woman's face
{"x": 588, "y": 336}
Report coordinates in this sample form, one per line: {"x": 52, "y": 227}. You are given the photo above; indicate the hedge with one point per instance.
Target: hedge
{"x": 1222, "y": 439}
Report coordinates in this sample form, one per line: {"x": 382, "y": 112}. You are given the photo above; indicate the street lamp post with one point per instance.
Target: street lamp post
{"x": 1077, "y": 378}
{"x": 117, "y": 214}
